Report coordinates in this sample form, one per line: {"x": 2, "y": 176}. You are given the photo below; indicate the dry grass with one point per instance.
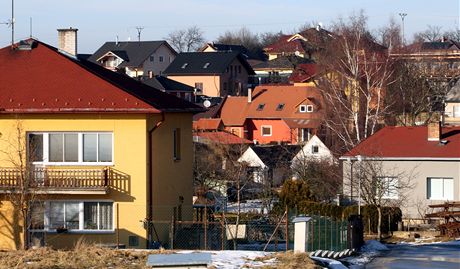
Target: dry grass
{"x": 290, "y": 260}
{"x": 82, "y": 256}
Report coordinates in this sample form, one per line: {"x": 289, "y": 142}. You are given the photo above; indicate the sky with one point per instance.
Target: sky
{"x": 99, "y": 21}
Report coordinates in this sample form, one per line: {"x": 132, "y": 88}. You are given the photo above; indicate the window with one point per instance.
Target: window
{"x": 314, "y": 149}
{"x": 239, "y": 69}
{"x": 302, "y": 108}
{"x": 266, "y": 130}
{"x": 280, "y": 107}
{"x": 439, "y": 188}
{"x": 260, "y": 107}
{"x": 73, "y": 215}
{"x": 152, "y": 58}
{"x": 388, "y": 187}
{"x": 176, "y": 144}
{"x": 161, "y": 59}
{"x": 309, "y": 108}
{"x": 70, "y": 148}
{"x": 184, "y": 65}
{"x": 304, "y": 134}
{"x": 206, "y": 65}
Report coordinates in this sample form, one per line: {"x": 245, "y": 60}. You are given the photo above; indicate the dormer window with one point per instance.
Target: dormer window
{"x": 260, "y": 107}
{"x": 305, "y": 108}
{"x": 280, "y": 107}
{"x": 206, "y": 65}
{"x": 184, "y": 65}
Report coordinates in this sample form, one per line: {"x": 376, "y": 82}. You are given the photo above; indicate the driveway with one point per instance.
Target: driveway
{"x": 439, "y": 256}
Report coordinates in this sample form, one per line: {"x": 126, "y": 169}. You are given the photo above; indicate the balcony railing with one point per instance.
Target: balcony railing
{"x": 13, "y": 179}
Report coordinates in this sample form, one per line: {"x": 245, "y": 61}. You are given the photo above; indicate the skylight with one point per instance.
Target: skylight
{"x": 260, "y": 107}
{"x": 184, "y": 65}
{"x": 280, "y": 107}
{"x": 206, "y": 65}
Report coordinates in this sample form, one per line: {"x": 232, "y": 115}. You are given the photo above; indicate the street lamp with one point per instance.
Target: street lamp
{"x": 403, "y": 15}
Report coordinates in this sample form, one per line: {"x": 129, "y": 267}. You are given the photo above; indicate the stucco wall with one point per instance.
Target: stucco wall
{"x": 416, "y": 174}
{"x": 280, "y": 131}
{"x": 211, "y": 84}
{"x": 156, "y": 66}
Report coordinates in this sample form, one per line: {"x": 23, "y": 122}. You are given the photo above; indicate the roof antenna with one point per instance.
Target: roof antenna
{"x": 139, "y": 30}
{"x": 30, "y": 26}
{"x": 10, "y": 23}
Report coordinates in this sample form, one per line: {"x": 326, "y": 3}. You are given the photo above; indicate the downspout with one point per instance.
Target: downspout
{"x": 150, "y": 184}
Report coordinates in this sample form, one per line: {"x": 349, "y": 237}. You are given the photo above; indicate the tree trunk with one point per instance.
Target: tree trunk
{"x": 379, "y": 223}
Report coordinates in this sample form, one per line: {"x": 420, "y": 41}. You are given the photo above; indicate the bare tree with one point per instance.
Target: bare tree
{"x": 21, "y": 185}
{"x": 431, "y": 34}
{"x": 186, "y": 40}
{"x": 390, "y": 35}
{"x": 452, "y": 35}
{"x": 357, "y": 72}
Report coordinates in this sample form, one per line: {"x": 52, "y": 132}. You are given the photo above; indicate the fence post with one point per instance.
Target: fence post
{"x": 205, "y": 226}
{"x": 223, "y": 229}
{"x": 287, "y": 228}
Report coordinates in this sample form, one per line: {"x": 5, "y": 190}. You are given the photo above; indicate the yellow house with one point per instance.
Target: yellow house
{"x": 98, "y": 155}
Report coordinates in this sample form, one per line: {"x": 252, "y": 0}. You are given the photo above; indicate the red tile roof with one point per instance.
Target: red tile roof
{"x": 222, "y": 138}
{"x": 207, "y": 124}
{"x": 283, "y": 45}
{"x": 44, "y": 80}
{"x": 303, "y": 73}
{"x": 409, "y": 142}
{"x": 235, "y": 110}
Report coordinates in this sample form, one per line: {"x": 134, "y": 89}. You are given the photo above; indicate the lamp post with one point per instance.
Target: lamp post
{"x": 403, "y": 15}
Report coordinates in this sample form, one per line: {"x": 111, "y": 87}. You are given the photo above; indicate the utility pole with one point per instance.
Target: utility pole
{"x": 139, "y": 30}
{"x": 403, "y": 15}
{"x": 12, "y": 23}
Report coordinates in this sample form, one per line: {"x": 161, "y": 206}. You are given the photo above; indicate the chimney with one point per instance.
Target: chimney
{"x": 434, "y": 131}
{"x": 67, "y": 40}
{"x": 249, "y": 95}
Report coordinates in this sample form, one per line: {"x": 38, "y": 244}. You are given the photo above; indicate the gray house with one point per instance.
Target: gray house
{"x": 413, "y": 167}
{"x": 135, "y": 58}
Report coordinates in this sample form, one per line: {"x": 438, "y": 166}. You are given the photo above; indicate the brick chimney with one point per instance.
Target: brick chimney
{"x": 67, "y": 40}
{"x": 434, "y": 131}
{"x": 249, "y": 95}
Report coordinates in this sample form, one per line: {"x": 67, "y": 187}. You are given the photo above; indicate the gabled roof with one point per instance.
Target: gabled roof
{"x": 408, "y": 143}
{"x": 167, "y": 85}
{"x": 203, "y": 63}
{"x": 133, "y": 52}
{"x": 440, "y": 45}
{"x": 42, "y": 80}
{"x": 273, "y": 155}
{"x": 235, "y": 110}
{"x": 283, "y": 62}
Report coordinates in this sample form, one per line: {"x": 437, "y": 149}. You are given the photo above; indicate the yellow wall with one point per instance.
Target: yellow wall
{"x": 130, "y": 143}
{"x": 211, "y": 84}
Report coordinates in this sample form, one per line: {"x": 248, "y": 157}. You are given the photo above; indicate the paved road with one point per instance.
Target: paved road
{"x": 437, "y": 256}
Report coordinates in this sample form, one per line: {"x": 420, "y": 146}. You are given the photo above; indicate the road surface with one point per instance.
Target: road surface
{"x": 439, "y": 256}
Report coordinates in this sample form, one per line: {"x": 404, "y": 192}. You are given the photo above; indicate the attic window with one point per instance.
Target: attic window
{"x": 206, "y": 65}
{"x": 184, "y": 65}
{"x": 280, "y": 107}
{"x": 260, "y": 107}
{"x": 315, "y": 149}
{"x": 305, "y": 108}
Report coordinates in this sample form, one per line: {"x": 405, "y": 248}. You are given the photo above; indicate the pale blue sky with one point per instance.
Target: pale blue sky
{"x": 99, "y": 21}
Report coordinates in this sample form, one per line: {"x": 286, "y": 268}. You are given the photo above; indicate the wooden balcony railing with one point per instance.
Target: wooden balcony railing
{"x": 43, "y": 178}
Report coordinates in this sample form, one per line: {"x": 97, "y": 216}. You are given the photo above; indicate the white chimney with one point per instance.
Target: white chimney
{"x": 67, "y": 40}
{"x": 249, "y": 95}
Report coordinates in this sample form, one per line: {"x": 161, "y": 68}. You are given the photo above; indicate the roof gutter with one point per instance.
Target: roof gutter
{"x": 356, "y": 158}
{"x": 150, "y": 184}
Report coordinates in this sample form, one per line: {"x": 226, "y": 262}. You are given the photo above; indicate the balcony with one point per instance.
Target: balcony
{"x": 58, "y": 181}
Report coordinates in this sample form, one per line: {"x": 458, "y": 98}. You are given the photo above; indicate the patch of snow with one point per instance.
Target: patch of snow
{"x": 373, "y": 245}
{"x": 229, "y": 259}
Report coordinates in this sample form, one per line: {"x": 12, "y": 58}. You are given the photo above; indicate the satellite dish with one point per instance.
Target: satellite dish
{"x": 207, "y": 103}
{"x": 297, "y": 53}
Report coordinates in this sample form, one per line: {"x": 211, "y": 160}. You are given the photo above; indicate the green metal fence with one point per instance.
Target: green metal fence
{"x": 326, "y": 233}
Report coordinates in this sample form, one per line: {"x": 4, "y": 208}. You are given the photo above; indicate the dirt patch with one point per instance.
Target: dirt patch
{"x": 290, "y": 260}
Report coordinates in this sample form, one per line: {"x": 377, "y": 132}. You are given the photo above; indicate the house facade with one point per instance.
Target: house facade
{"x": 216, "y": 74}
{"x": 274, "y": 114}
{"x": 135, "y": 58}
{"x": 419, "y": 166}
{"x": 452, "y": 106}
{"x": 104, "y": 155}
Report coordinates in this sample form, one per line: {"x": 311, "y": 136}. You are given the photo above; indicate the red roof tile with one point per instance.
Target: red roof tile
{"x": 222, "y": 138}
{"x": 302, "y": 73}
{"x": 207, "y": 124}
{"x": 283, "y": 45}
{"x": 44, "y": 80}
{"x": 409, "y": 142}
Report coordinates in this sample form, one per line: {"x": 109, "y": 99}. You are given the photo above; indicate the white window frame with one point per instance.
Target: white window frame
{"x": 313, "y": 147}
{"x": 80, "y": 161}
{"x": 309, "y": 108}
{"x": 262, "y": 130}
{"x": 444, "y": 197}
{"x": 302, "y": 108}
{"x": 81, "y": 217}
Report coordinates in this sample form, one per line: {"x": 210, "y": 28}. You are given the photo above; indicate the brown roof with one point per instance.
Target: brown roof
{"x": 207, "y": 124}
{"x": 235, "y": 110}
{"x": 221, "y": 138}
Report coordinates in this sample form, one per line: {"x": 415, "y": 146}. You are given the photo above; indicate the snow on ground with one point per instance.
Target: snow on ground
{"x": 371, "y": 249}
{"x": 250, "y": 206}
{"x": 230, "y": 259}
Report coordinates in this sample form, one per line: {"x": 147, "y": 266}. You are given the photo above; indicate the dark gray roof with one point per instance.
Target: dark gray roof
{"x": 439, "y": 45}
{"x": 273, "y": 155}
{"x": 167, "y": 85}
{"x": 198, "y": 63}
{"x": 133, "y": 52}
{"x": 290, "y": 61}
